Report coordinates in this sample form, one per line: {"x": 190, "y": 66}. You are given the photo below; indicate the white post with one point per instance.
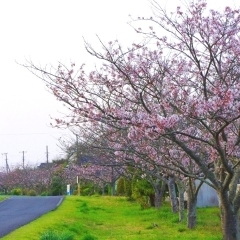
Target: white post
{"x": 68, "y": 189}
{"x": 78, "y": 183}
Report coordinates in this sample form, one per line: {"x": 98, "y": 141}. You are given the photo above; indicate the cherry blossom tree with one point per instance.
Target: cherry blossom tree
{"x": 181, "y": 90}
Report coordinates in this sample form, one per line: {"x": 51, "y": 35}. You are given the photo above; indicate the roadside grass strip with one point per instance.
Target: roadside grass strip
{"x": 116, "y": 218}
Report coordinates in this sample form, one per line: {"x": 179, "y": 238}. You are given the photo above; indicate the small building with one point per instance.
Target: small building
{"x": 45, "y": 165}
{"x": 207, "y": 196}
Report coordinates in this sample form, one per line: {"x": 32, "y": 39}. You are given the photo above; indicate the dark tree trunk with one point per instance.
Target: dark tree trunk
{"x": 159, "y": 188}
{"x": 113, "y": 183}
{"x": 103, "y": 190}
{"x": 229, "y": 217}
{"x": 192, "y": 192}
{"x": 172, "y": 195}
{"x": 181, "y": 200}
{"x": 191, "y": 212}
{"x": 113, "y": 192}
{"x": 152, "y": 200}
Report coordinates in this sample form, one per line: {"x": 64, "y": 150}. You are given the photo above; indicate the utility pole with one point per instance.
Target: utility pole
{"x": 78, "y": 184}
{"x": 77, "y": 156}
{"x": 6, "y": 159}
{"x": 77, "y": 153}
{"x": 47, "y": 153}
{"x": 23, "y": 157}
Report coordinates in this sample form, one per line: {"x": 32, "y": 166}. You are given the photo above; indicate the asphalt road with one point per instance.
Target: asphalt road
{"x": 18, "y": 211}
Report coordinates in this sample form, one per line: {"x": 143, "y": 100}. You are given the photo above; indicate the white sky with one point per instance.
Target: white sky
{"x": 49, "y": 31}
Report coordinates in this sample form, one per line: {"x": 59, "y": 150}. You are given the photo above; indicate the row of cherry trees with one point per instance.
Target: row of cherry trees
{"x": 169, "y": 106}
{"x": 53, "y": 178}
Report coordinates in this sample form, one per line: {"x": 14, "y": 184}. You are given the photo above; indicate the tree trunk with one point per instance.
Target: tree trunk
{"x": 103, "y": 190}
{"x": 191, "y": 204}
{"x": 229, "y": 218}
{"x": 172, "y": 195}
{"x": 180, "y": 200}
{"x": 191, "y": 212}
{"x": 113, "y": 192}
{"x": 152, "y": 200}
{"x": 159, "y": 188}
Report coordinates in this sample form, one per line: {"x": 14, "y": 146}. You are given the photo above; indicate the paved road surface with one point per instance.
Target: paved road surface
{"x": 18, "y": 211}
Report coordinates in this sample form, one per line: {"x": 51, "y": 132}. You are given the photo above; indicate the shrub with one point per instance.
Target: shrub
{"x": 128, "y": 188}
{"x": 44, "y": 194}
{"x": 120, "y": 187}
{"x": 143, "y": 192}
{"x": 31, "y": 193}
{"x": 87, "y": 189}
{"x": 16, "y": 191}
{"x": 24, "y": 191}
{"x": 57, "y": 187}
{"x": 75, "y": 192}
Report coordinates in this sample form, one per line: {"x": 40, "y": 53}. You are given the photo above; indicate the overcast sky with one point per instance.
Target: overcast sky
{"x": 48, "y": 32}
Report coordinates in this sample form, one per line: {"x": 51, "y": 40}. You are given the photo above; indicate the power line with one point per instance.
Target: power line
{"x": 16, "y": 134}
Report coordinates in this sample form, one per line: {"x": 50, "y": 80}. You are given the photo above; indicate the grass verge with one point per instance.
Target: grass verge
{"x": 115, "y": 218}
{"x": 3, "y": 198}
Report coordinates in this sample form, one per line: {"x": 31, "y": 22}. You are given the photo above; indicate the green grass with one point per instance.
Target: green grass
{"x": 3, "y": 198}
{"x": 115, "y": 218}
{"x": 53, "y": 235}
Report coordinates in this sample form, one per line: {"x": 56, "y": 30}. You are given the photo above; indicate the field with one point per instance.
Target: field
{"x": 115, "y": 218}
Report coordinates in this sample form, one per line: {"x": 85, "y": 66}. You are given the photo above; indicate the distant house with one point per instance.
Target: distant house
{"x": 45, "y": 165}
{"x": 82, "y": 159}
{"x": 207, "y": 196}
